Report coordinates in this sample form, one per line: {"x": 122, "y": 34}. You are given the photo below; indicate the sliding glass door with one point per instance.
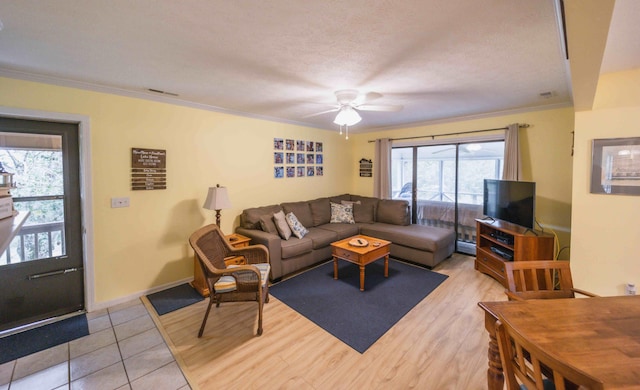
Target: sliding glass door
{"x": 444, "y": 184}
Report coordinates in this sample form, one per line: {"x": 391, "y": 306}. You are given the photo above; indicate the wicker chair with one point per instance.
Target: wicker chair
{"x": 535, "y": 280}
{"x": 234, "y": 283}
{"x": 524, "y": 362}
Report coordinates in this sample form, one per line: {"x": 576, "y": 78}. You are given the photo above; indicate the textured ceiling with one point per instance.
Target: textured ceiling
{"x": 283, "y": 59}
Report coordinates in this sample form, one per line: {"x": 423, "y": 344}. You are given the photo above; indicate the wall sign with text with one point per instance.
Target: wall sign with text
{"x": 148, "y": 169}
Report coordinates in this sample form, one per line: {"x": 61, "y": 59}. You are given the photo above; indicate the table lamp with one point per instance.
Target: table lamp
{"x": 217, "y": 199}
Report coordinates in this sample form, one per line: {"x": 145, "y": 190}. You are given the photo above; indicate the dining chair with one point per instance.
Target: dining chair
{"x": 526, "y": 366}
{"x": 540, "y": 279}
{"x": 233, "y": 283}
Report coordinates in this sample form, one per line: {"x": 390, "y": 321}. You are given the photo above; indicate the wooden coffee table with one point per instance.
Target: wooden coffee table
{"x": 362, "y": 256}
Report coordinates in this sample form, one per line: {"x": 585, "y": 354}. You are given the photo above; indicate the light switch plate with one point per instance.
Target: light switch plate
{"x": 119, "y": 202}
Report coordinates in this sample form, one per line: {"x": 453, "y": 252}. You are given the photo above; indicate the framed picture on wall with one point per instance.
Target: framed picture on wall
{"x": 309, "y": 146}
{"x": 291, "y": 172}
{"x": 278, "y": 143}
{"x": 310, "y": 171}
{"x": 300, "y": 158}
{"x": 278, "y": 158}
{"x": 291, "y": 158}
{"x": 300, "y": 171}
{"x": 290, "y": 144}
{"x": 318, "y": 159}
{"x": 278, "y": 172}
{"x": 319, "y": 171}
{"x": 615, "y": 166}
{"x": 300, "y": 146}
{"x": 319, "y": 147}
{"x": 310, "y": 158}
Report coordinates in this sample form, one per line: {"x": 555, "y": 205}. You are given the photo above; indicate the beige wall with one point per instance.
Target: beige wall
{"x": 145, "y": 245}
{"x": 606, "y": 234}
{"x": 546, "y": 158}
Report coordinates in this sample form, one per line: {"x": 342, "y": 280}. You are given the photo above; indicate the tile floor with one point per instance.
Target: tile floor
{"x": 124, "y": 350}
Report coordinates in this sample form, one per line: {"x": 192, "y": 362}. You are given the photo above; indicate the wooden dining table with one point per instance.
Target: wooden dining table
{"x": 600, "y": 336}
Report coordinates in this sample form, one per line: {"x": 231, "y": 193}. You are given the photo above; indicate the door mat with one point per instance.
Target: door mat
{"x": 174, "y": 298}
{"x": 35, "y": 340}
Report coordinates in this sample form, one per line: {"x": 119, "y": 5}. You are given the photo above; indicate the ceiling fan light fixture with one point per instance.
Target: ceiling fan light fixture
{"x": 347, "y": 116}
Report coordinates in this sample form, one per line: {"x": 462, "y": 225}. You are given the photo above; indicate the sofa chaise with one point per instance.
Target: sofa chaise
{"x": 381, "y": 218}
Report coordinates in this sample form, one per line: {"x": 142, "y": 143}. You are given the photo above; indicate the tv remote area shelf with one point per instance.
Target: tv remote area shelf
{"x": 524, "y": 244}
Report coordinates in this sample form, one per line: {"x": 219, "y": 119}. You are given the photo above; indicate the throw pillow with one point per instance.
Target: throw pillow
{"x": 281, "y": 225}
{"x": 267, "y": 225}
{"x": 341, "y": 213}
{"x": 296, "y": 227}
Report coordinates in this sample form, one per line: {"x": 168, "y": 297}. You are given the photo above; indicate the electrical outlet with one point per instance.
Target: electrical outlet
{"x": 119, "y": 202}
{"x": 630, "y": 289}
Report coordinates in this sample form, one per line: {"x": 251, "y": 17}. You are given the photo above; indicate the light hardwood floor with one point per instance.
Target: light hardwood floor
{"x": 440, "y": 344}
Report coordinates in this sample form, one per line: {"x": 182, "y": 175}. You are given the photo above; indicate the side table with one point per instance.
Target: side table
{"x": 199, "y": 283}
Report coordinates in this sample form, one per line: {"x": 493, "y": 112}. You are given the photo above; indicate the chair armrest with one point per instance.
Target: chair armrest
{"x": 583, "y": 292}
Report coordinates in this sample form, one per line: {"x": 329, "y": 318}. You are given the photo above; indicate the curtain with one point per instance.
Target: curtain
{"x": 512, "y": 166}
{"x": 382, "y": 169}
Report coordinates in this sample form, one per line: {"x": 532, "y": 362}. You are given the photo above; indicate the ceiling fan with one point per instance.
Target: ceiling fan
{"x": 350, "y": 101}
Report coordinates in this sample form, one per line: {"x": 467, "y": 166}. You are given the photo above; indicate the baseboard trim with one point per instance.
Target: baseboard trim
{"x": 106, "y": 304}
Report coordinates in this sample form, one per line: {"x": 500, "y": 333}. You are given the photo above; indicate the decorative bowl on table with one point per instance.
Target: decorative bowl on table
{"x": 359, "y": 242}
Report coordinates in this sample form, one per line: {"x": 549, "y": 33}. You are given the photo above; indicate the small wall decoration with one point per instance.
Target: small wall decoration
{"x": 148, "y": 169}
{"x": 291, "y": 172}
{"x": 366, "y": 168}
{"x": 615, "y": 166}
{"x": 290, "y": 144}
{"x": 296, "y": 158}
{"x": 291, "y": 158}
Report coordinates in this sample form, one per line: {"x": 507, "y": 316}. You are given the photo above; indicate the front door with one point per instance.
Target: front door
{"x": 41, "y": 272}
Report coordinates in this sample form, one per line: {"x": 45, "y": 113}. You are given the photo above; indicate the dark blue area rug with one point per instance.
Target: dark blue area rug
{"x": 38, "y": 339}
{"x": 174, "y": 298}
{"x": 358, "y": 318}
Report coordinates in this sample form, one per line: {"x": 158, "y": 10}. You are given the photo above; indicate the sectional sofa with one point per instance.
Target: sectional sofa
{"x": 381, "y": 218}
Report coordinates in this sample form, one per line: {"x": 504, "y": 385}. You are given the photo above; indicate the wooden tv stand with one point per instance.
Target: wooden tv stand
{"x": 521, "y": 243}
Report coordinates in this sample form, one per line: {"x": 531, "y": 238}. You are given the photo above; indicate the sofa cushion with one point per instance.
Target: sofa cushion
{"x": 295, "y": 247}
{"x": 301, "y": 210}
{"x": 281, "y": 224}
{"x": 368, "y": 205}
{"x": 343, "y": 230}
{"x": 320, "y": 211}
{"x": 364, "y": 213}
{"x": 426, "y": 238}
{"x": 321, "y": 237}
{"x": 341, "y": 213}
{"x": 297, "y": 228}
{"x": 393, "y": 211}
{"x": 267, "y": 224}
{"x": 250, "y": 218}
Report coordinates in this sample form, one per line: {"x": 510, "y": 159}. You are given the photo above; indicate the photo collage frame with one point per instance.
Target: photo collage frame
{"x": 297, "y": 158}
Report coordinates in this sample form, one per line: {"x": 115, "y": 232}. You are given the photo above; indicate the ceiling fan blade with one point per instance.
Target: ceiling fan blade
{"x": 379, "y": 107}
{"x": 365, "y": 98}
{"x": 322, "y": 112}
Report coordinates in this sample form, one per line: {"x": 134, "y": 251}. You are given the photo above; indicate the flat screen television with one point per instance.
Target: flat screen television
{"x": 511, "y": 201}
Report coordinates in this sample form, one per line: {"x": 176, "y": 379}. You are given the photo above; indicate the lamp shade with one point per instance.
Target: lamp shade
{"x": 347, "y": 116}
{"x": 217, "y": 199}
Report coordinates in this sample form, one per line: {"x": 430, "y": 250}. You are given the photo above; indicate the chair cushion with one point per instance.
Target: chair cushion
{"x": 321, "y": 238}
{"x": 227, "y": 283}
